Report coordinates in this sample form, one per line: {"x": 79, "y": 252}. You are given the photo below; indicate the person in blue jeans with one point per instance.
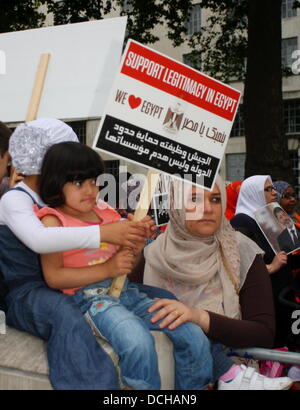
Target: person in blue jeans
{"x": 126, "y": 323}
{"x": 68, "y": 184}
{"x": 76, "y": 361}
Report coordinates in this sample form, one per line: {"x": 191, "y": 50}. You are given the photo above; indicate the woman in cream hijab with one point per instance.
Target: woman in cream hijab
{"x": 256, "y": 192}
{"x": 217, "y": 274}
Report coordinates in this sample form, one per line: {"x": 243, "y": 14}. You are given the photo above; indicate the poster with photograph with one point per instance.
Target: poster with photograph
{"x": 167, "y": 116}
{"x": 160, "y": 209}
{"x": 160, "y": 201}
{"x": 278, "y": 228}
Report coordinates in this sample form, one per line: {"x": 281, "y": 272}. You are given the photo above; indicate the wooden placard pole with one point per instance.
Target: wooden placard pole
{"x": 140, "y": 212}
{"x": 38, "y": 88}
{"x": 34, "y": 102}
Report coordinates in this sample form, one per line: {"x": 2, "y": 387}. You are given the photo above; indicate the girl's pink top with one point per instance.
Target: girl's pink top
{"x": 77, "y": 258}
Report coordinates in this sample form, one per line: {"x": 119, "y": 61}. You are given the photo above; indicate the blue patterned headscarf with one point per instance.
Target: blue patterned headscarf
{"x": 281, "y": 187}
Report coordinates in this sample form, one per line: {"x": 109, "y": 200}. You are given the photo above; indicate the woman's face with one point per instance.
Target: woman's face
{"x": 211, "y": 207}
{"x": 270, "y": 192}
{"x": 289, "y": 200}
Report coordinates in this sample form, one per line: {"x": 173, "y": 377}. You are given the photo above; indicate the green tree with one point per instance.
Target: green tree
{"x": 143, "y": 15}
{"x": 242, "y": 39}
{"x": 238, "y": 30}
{"x": 20, "y": 15}
{"x": 76, "y": 11}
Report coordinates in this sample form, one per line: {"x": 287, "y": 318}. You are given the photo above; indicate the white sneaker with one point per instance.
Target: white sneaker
{"x": 249, "y": 379}
{"x": 294, "y": 373}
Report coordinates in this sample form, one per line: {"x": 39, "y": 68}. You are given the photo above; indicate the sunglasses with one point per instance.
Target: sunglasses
{"x": 270, "y": 188}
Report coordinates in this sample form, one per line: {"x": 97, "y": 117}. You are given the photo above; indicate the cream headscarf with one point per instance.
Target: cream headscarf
{"x": 205, "y": 273}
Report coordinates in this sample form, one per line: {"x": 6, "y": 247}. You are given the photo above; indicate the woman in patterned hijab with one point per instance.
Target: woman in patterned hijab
{"x": 287, "y": 198}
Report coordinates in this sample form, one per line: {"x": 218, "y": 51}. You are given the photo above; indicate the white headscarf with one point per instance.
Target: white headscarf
{"x": 29, "y": 143}
{"x": 252, "y": 195}
{"x": 205, "y": 273}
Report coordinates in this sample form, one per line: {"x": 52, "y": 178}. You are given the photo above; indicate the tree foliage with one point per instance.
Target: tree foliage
{"x": 222, "y": 44}
{"x": 76, "y": 11}
{"x": 143, "y": 15}
{"x": 221, "y": 47}
{"x": 225, "y": 29}
{"x": 20, "y": 15}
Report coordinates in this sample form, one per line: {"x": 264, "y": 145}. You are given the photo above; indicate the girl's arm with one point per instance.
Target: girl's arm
{"x": 59, "y": 277}
{"x": 17, "y": 213}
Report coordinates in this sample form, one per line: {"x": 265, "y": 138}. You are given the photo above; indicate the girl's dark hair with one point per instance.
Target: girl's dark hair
{"x": 5, "y": 134}
{"x": 67, "y": 162}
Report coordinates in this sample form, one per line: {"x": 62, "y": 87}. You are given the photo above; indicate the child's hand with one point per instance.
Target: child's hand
{"x": 124, "y": 233}
{"x": 150, "y": 227}
{"x": 121, "y": 263}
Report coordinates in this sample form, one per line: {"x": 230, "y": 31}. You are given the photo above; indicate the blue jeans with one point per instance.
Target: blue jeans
{"x": 126, "y": 323}
{"x": 76, "y": 361}
{"x": 221, "y": 362}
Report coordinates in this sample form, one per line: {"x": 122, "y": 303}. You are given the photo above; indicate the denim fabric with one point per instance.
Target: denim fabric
{"x": 126, "y": 322}
{"x": 153, "y": 292}
{"x": 17, "y": 262}
{"x": 3, "y": 293}
{"x": 76, "y": 361}
{"x": 221, "y": 362}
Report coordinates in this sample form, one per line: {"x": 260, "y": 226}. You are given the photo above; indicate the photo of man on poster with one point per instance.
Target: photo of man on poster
{"x": 288, "y": 240}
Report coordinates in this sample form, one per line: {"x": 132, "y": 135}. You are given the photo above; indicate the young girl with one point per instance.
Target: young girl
{"x": 30, "y": 305}
{"x": 68, "y": 184}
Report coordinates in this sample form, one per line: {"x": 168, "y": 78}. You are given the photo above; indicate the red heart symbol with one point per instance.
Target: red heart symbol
{"x": 134, "y": 102}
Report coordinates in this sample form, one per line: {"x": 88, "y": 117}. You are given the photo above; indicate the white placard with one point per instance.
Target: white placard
{"x": 84, "y": 60}
{"x": 167, "y": 116}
